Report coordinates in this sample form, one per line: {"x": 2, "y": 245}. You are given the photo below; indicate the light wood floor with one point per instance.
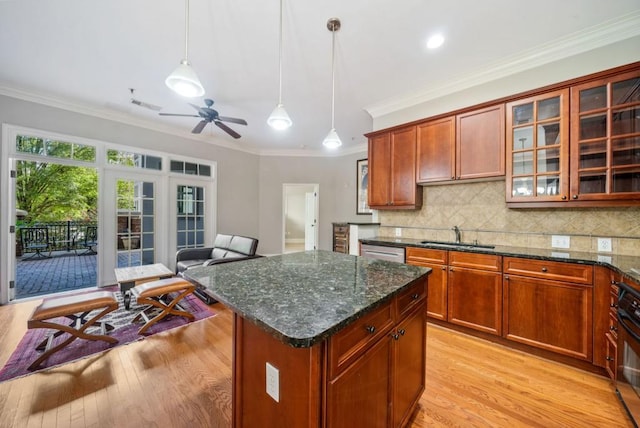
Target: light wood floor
{"x": 182, "y": 378}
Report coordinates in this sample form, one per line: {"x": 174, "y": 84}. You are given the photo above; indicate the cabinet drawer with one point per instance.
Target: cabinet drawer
{"x": 409, "y": 298}
{"x": 342, "y": 230}
{"x": 613, "y": 324}
{"x": 352, "y": 341}
{"x": 419, "y": 256}
{"x": 558, "y": 271}
{"x": 475, "y": 261}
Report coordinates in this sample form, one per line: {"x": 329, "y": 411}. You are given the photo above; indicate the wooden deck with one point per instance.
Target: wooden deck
{"x": 182, "y": 378}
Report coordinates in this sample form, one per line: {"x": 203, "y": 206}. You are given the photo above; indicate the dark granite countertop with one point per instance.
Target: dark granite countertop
{"x": 623, "y": 264}
{"x": 303, "y": 298}
{"x": 356, "y": 223}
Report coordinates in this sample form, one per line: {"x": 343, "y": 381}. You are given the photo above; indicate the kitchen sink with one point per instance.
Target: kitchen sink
{"x": 456, "y": 244}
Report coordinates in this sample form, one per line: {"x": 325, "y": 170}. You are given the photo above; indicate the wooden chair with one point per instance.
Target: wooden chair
{"x": 157, "y": 294}
{"x": 35, "y": 239}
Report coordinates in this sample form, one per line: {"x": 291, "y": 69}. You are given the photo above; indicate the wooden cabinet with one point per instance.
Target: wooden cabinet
{"x": 545, "y": 310}
{"x": 376, "y": 367}
{"x": 475, "y": 291}
{"x": 469, "y": 145}
{"x": 437, "y": 290}
{"x": 341, "y": 238}
{"x": 605, "y": 139}
{"x": 538, "y": 148}
{"x": 392, "y": 170}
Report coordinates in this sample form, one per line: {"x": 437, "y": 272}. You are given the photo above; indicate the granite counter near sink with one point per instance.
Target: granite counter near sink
{"x": 621, "y": 263}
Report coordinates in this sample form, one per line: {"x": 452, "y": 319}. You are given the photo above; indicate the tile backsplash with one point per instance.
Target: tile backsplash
{"x": 480, "y": 211}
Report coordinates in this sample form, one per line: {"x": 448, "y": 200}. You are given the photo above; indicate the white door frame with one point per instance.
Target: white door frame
{"x": 285, "y": 188}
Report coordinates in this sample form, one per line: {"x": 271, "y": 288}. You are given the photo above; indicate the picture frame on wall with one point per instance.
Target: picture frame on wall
{"x": 362, "y": 186}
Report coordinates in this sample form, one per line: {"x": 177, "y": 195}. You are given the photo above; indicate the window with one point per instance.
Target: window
{"x": 134, "y": 160}
{"x": 54, "y": 148}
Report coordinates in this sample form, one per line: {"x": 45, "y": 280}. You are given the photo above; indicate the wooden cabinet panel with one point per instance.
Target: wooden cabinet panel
{"x": 548, "y": 314}
{"x": 559, "y": 271}
{"x": 437, "y": 287}
{"x": 392, "y": 170}
{"x": 409, "y": 376}
{"x": 360, "y": 396}
{"x": 410, "y": 298}
{"x": 436, "y": 150}
{"x": 488, "y": 262}
{"x": 475, "y": 299}
{"x": 480, "y": 143}
{"x": 611, "y": 356}
{"x": 379, "y": 170}
{"x": 341, "y": 238}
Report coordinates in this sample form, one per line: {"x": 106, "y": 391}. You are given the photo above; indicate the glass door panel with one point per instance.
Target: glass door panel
{"x": 549, "y": 160}
{"x": 593, "y": 98}
{"x": 190, "y": 216}
{"x": 627, "y": 91}
{"x": 626, "y": 151}
{"x": 593, "y": 154}
{"x": 135, "y": 231}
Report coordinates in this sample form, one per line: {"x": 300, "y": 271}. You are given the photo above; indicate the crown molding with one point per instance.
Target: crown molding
{"x": 612, "y": 31}
{"x": 317, "y": 153}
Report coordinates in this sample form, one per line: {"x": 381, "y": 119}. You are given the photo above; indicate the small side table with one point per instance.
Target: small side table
{"x": 129, "y": 277}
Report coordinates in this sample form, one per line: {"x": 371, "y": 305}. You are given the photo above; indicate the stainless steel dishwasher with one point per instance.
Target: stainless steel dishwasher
{"x": 381, "y": 252}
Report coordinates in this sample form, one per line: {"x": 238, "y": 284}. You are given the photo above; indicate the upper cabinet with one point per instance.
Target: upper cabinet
{"x": 469, "y": 145}
{"x": 392, "y": 170}
{"x": 605, "y": 139}
{"x": 537, "y": 148}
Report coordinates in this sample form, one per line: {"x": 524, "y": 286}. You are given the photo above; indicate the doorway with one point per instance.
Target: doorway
{"x": 300, "y": 217}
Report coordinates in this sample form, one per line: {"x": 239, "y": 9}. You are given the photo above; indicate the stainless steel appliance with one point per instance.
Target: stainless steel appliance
{"x": 628, "y": 370}
{"x": 380, "y": 252}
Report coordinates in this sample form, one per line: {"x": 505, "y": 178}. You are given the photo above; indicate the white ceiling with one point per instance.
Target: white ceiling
{"x": 85, "y": 54}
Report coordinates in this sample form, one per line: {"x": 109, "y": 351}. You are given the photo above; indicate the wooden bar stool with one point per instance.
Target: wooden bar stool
{"x": 76, "y": 308}
{"x": 156, "y": 294}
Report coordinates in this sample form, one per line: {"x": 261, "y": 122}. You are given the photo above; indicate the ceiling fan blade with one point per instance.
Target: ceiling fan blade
{"x": 232, "y": 120}
{"x": 200, "y": 109}
{"x": 177, "y": 114}
{"x": 145, "y": 105}
{"x": 199, "y": 127}
{"x": 226, "y": 129}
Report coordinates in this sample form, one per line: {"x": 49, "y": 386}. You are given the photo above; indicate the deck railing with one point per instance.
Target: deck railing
{"x": 63, "y": 235}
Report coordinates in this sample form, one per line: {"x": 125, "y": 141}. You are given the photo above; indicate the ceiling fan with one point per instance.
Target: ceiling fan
{"x": 209, "y": 115}
{"x": 142, "y": 103}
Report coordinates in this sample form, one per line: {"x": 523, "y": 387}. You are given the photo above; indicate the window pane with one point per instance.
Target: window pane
{"x": 593, "y": 154}
{"x": 549, "y": 108}
{"x": 523, "y": 138}
{"x": 177, "y": 166}
{"x": 205, "y": 170}
{"x": 154, "y": 162}
{"x": 522, "y": 186}
{"x": 626, "y": 91}
{"x": 523, "y": 114}
{"x": 549, "y": 134}
{"x": 190, "y": 168}
{"x": 594, "y": 98}
{"x": 594, "y": 126}
{"x": 30, "y": 145}
{"x": 84, "y": 153}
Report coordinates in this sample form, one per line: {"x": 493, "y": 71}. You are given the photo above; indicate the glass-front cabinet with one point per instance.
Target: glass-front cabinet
{"x": 605, "y": 139}
{"x": 537, "y": 148}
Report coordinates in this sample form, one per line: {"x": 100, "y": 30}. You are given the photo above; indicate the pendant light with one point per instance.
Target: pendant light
{"x": 279, "y": 118}
{"x": 184, "y": 80}
{"x": 332, "y": 141}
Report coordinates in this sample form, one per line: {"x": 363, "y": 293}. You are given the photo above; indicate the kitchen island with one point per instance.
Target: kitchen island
{"x": 323, "y": 339}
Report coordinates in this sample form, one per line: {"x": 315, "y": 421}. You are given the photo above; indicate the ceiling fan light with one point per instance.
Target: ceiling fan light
{"x": 279, "y": 118}
{"x": 184, "y": 81}
{"x": 332, "y": 141}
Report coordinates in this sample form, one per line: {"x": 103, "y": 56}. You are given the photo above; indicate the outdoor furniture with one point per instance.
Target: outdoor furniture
{"x": 76, "y": 308}
{"x": 90, "y": 241}
{"x": 35, "y": 239}
{"x": 156, "y": 294}
{"x": 130, "y": 276}
{"x": 226, "y": 248}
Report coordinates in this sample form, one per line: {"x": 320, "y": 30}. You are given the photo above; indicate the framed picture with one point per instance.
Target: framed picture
{"x": 362, "y": 186}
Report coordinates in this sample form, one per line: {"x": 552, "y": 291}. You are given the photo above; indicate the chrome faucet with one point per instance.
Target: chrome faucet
{"x": 456, "y": 229}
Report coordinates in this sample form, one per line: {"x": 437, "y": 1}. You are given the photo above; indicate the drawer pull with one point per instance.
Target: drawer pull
{"x": 544, "y": 269}
{"x": 402, "y": 331}
{"x": 613, "y": 328}
{"x": 609, "y": 358}
{"x": 415, "y": 296}
{"x": 396, "y": 336}
{"x": 371, "y": 329}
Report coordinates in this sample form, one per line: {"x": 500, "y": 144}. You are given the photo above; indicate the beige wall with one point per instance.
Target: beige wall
{"x": 479, "y": 209}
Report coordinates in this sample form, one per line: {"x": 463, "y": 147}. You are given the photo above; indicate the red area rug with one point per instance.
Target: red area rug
{"x": 125, "y": 331}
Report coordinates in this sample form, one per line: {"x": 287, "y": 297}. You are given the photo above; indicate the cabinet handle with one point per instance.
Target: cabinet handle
{"x": 564, "y": 197}
{"x": 613, "y": 305}
{"x": 396, "y": 336}
{"x": 506, "y": 277}
{"x": 613, "y": 328}
{"x": 371, "y": 329}
{"x": 402, "y": 331}
{"x": 415, "y": 296}
{"x": 609, "y": 358}
{"x": 453, "y": 178}
{"x": 450, "y": 269}
{"x": 544, "y": 269}
{"x": 575, "y": 196}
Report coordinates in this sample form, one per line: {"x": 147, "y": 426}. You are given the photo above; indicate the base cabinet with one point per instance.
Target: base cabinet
{"x": 475, "y": 291}
{"x": 437, "y": 292}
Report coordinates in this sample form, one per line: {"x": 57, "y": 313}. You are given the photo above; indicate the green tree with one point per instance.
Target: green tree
{"x": 53, "y": 192}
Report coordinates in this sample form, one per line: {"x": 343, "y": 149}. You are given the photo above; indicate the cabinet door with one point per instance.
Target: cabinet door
{"x": 409, "y": 367}
{"x": 605, "y": 139}
{"x": 359, "y": 396}
{"x": 552, "y": 315}
{"x": 538, "y": 148}
{"x": 379, "y": 170}
{"x": 404, "y": 191}
{"x": 475, "y": 299}
{"x": 480, "y": 143}
{"x": 436, "y": 150}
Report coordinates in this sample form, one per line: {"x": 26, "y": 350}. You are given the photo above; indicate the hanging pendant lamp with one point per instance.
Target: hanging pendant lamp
{"x": 332, "y": 140}
{"x": 184, "y": 80}
{"x": 279, "y": 119}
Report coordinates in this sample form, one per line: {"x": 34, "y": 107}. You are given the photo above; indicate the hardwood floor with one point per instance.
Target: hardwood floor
{"x": 182, "y": 378}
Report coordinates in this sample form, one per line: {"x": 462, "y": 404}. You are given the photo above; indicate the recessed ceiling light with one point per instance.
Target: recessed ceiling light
{"x": 435, "y": 41}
